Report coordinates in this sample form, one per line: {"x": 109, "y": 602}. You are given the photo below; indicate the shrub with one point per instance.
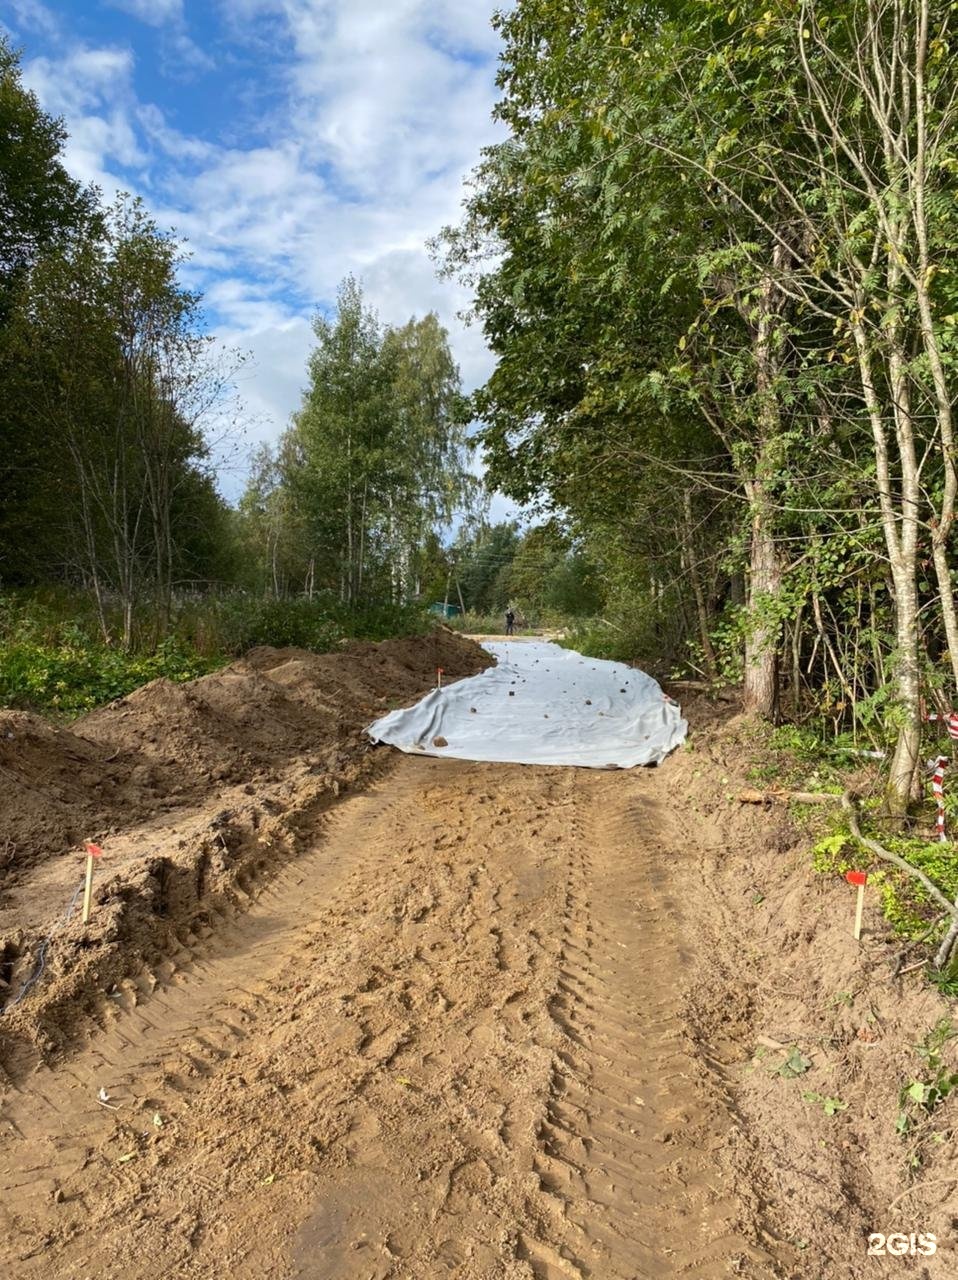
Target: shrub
{"x": 53, "y": 657}
{"x": 71, "y": 679}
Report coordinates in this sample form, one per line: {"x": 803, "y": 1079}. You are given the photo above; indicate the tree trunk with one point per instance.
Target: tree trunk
{"x": 904, "y": 765}
{"x": 765, "y": 568}
{"x": 902, "y": 549}
{"x": 764, "y": 587}
{"x": 362, "y": 541}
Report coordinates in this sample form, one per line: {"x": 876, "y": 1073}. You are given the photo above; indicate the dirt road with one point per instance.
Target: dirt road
{"x": 448, "y": 1039}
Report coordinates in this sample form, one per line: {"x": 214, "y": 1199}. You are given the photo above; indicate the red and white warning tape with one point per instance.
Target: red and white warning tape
{"x": 950, "y": 722}
{"x": 939, "y": 765}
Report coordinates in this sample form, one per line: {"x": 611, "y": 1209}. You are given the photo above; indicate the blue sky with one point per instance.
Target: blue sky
{"x": 290, "y": 142}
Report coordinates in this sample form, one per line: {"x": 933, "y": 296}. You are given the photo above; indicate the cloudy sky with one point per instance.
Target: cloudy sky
{"x": 289, "y": 141}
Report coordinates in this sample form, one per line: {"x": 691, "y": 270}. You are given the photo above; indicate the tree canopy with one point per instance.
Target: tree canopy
{"x": 713, "y": 260}
{"x": 373, "y": 465}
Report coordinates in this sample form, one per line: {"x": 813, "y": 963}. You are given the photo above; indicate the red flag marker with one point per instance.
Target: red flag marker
{"x": 439, "y": 671}
{"x": 860, "y": 879}
{"x": 92, "y": 851}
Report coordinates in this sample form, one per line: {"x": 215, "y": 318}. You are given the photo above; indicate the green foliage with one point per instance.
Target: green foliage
{"x": 946, "y": 980}
{"x": 919, "y": 1098}
{"x": 831, "y": 1106}
{"x": 795, "y": 1064}
{"x": 542, "y": 574}
{"x": 702, "y": 266}
{"x": 728, "y": 638}
{"x": 108, "y": 377}
{"x": 240, "y": 623}
{"x": 805, "y": 743}
{"x": 52, "y": 659}
{"x": 480, "y": 562}
{"x": 905, "y": 903}
{"x": 72, "y": 678}
{"x": 372, "y": 467}
{"x": 41, "y": 203}
{"x": 480, "y": 624}
{"x": 833, "y": 854}
{"x": 597, "y": 639}
{"x": 632, "y": 628}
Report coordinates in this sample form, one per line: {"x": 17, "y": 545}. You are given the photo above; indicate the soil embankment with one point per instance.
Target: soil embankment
{"x": 484, "y": 1021}
{"x": 197, "y": 792}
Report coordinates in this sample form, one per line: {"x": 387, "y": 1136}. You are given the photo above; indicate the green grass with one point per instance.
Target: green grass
{"x": 808, "y": 759}
{"x": 54, "y": 659}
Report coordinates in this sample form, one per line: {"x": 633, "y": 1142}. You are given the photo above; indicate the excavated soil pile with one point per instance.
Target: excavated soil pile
{"x": 489, "y": 1021}
{"x": 194, "y": 790}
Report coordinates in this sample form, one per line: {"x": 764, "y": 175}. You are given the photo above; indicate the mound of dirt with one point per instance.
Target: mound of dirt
{"x": 55, "y": 787}
{"x": 169, "y": 744}
{"x": 195, "y": 791}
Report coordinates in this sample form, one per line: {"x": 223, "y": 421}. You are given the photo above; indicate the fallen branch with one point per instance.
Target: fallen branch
{"x": 886, "y": 855}
{"x": 943, "y": 954}
{"x": 751, "y": 796}
{"x": 919, "y": 1186}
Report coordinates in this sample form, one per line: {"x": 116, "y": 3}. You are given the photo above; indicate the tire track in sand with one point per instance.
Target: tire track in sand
{"x": 447, "y": 1041}
{"x": 630, "y": 1142}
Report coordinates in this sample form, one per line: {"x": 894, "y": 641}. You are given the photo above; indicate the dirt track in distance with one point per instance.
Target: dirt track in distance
{"x": 448, "y": 1039}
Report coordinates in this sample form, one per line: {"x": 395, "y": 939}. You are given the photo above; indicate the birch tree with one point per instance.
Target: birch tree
{"x": 374, "y": 461}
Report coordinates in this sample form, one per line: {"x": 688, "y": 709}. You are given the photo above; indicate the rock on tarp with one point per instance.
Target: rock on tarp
{"x": 542, "y": 704}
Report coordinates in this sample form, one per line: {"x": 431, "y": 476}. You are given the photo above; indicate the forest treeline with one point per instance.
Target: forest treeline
{"x": 715, "y": 257}
{"x": 369, "y": 492}
{"x": 106, "y": 380}
{"x": 119, "y": 558}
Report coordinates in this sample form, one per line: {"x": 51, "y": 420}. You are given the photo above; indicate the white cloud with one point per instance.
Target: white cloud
{"x": 31, "y": 15}
{"x": 173, "y": 144}
{"x": 377, "y": 98}
{"x": 83, "y": 78}
{"x": 92, "y": 89}
{"x": 156, "y": 13}
{"x": 183, "y": 58}
{"x": 383, "y": 107}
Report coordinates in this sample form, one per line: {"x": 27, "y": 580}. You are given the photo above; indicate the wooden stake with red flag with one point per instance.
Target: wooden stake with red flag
{"x": 92, "y": 851}
{"x": 859, "y": 878}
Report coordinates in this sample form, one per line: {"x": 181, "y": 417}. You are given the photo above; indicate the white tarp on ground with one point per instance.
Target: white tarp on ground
{"x": 542, "y": 704}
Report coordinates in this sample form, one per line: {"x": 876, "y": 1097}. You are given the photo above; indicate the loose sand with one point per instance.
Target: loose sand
{"x": 467, "y": 1020}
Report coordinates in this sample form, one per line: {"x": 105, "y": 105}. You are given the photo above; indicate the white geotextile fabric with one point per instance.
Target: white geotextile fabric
{"x": 542, "y": 704}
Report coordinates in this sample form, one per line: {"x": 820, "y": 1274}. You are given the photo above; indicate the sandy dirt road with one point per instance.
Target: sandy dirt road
{"x": 448, "y": 1039}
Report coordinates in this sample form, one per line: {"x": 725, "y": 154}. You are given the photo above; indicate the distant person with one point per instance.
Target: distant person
{"x": 510, "y": 622}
